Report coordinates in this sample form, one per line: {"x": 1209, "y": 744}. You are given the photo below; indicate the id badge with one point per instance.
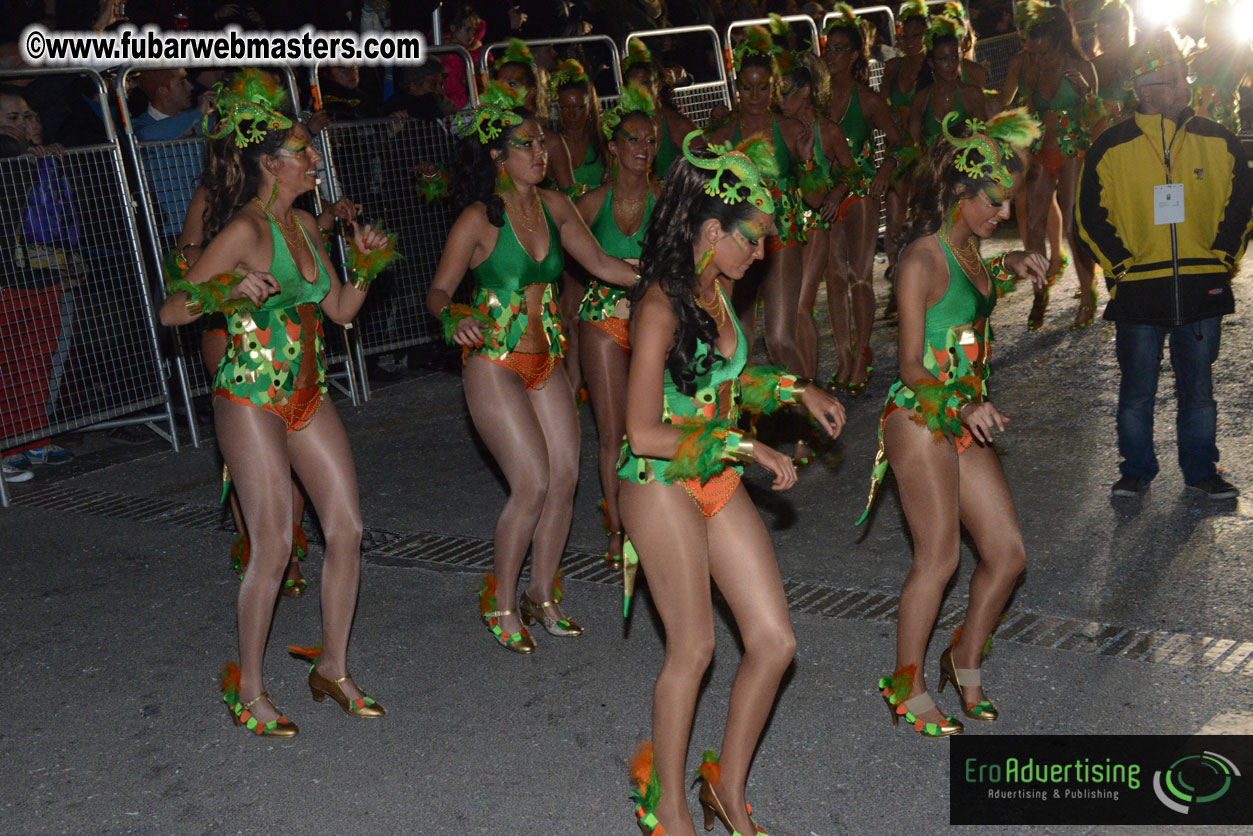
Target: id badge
{"x": 1168, "y": 204}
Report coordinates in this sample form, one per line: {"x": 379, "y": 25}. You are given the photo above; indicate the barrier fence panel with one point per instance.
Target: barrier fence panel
{"x": 78, "y": 343}
{"x": 374, "y": 163}
{"x": 597, "y": 53}
{"x": 167, "y": 176}
{"x": 802, "y": 26}
{"x": 698, "y": 50}
{"x": 995, "y": 54}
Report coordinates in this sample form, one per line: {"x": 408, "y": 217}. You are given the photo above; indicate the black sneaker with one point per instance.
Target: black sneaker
{"x": 1215, "y": 487}
{"x": 1129, "y": 486}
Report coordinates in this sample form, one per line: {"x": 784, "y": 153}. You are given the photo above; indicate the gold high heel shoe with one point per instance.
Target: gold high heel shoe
{"x": 519, "y": 642}
{"x": 966, "y": 678}
{"x": 555, "y": 626}
{"x": 241, "y": 713}
{"x": 321, "y": 688}
{"x": 708, "y": 776}
{"x": 614, "y": 561}
{"x": 894, "y": 689}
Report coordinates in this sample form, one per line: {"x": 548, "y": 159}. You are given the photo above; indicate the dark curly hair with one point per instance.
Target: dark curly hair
{"x": 474, "y": 172}
{"x": 232, "y": 174}
{"x": 861, "y": 64}
{"x": 666, "y": 261}
{"x": 940, "y": 186}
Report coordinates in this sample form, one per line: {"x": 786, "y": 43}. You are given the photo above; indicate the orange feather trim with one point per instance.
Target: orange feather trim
{"x": 310, "y": 653}
{"x": 711, "y": 771}
{"x": 642, "y": 765}
{"x": 230, "y": 680}
{"x": 487, "y": 595}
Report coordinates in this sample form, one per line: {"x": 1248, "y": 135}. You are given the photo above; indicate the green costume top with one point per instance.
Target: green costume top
{"x": 898, "y": 98}
{"x": 500, "y": 288}
{"x": 860, "y": 135}
{"x": 265, "y": 358}
{"x": 717, "y": 398}
{"x": 955, "y": 352}
{"x": 592, "y": 171}
{"x": 667, "y": 151}
{"x": 931, "y": 130}
{"x": 1073, "y": 130}
{"x": 788, "y": 207}
{"x": 603, "y": 301}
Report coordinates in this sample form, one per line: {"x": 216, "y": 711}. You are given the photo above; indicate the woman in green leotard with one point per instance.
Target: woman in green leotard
{"x": 671, "y": 125}
{"x": 937, "y": 425}
{"x": 941, "y": 90}
{"x": 262, "y": 269}
{"x": 516, "y": 70}
{"x": 618, "y": 214}
{"x": 511, "y": 235}
{"x": 859, "y": 111}
{"x": 900, "y": 80}
{"x": 1115, "y": 33}
{"x": 687, "y": 514}
{"x": 779, "y": 283}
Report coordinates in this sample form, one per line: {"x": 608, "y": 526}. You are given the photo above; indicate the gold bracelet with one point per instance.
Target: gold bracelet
{"x": 798, "y": 391}
{"x": 193, "y": 307}
{"x": 743, "y": 451}
{"x": 361, "y": 284}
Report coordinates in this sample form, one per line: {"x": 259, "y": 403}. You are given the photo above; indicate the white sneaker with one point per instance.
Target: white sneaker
{"x": 12, "y": 470}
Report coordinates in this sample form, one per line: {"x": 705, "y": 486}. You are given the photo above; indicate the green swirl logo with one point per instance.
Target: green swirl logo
{"x": 1194, "y": 779}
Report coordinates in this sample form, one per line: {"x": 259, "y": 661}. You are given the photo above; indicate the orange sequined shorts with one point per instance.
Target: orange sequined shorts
{"x": 712, "y": 496}
{"x": 298, "y": 411}
{"x": 618, "y": 329}
{"x": 533, "y": 368}
{"x": 962, "y": 442}
{"x": 847, "y": 203}
{"x": 1052, "y": 161}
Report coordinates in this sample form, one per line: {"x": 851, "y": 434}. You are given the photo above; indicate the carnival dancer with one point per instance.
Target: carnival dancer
{"x": 688, "y": 517}
{"x": 779, "y": 284}
{"x": 1221, "y": 64}
{"x": 1064, "y": 100}
{"x": 900, "y": 80}
{"x": 972, "y": 72}
{"x": 639, "y": 68}
{"x": 1115, "y": 33}
{"x": 937, "y": 425}
{"x": 262, "y": 269}
{"x": 512, "y": 341}
{"x": 618, "y": 214}
{"x": 942, "y": 90}
{"x": 859, "y": 111}
{"x": 517, "y": 71}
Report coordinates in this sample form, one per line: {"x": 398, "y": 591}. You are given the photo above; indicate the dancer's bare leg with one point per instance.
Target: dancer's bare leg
{"x": 862, "y": 230}
{"x": 816, "y": 252}
{"x": 605, "y": 367}
{"x": 1067, "y": 184}
{"x": 572, "y": 291}
{"x": 837, "y": 278}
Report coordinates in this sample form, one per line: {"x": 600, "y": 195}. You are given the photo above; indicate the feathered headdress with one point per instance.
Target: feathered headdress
{"x": 748, "y": 163}
{"x": 516, "y": 52}
{"x": 568, "y": 72}
{"x": 756, "y": 41}
{"x": 637, "y": 53}
{"x": 845, "y": 18}
{"x": 983, "y": 154}
{"x": 494, "y": 114}
{"x": 911, "y": 9}
{"x": 956, "y": 11}
{"x": 251, "y": 97}
{"x": 634, "y": 99}
{"x": 942, "y": 27}
{"x": 1029, "y": 13}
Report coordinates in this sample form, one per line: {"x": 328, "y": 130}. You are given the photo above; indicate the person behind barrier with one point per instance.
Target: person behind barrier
{"x": 420, "y": 92}
{"x": 38, "y": 266}
{"x": 465, "y": 29}
{"x": 170, "y": 113}
{"x": 689, "y": 518}
{"x": 1165, "y": 205}
{"x": 262, "y": 269}
{"x": 512, "y": 340}
{"x": 859, "y": 111}
{"x": 937, "y": 424}
{"x": 671, "y": 125}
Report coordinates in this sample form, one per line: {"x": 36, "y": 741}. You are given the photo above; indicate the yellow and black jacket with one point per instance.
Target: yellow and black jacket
{"x": 1153, "y": 280}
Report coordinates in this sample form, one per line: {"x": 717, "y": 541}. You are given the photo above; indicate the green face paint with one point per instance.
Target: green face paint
{"x": 522, "y": 140}
{"x": 294, "y": 146}
{"x": 749, "y": 233}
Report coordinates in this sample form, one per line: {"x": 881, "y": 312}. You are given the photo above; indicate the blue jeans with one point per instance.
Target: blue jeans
{"x": 1193, "y": 350}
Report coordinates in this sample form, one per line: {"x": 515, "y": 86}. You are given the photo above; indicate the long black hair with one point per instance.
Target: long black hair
{"x": 232, "y": 174}
{"x": 666, "y": 261}
{"x": 475, "y": 172}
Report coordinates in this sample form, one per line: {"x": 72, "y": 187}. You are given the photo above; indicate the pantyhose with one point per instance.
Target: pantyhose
{"x": 1043, "y": 188}
{"x": 814, "y": 256}
{"x": 940, "y": 492}
{"x": 605, "y": 370}
{"x": 780, "y": 288}
{"x": 848, "y": 277}
{"x": 534, "y": 438}
{"x": 261, "y": 455}
{"x": 680, "y": 551}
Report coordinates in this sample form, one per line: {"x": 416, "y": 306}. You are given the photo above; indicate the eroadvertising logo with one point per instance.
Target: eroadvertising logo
{"x": 1110, "y": 779}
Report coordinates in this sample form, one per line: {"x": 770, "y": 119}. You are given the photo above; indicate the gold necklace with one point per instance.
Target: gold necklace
{"x": 717, "y": 309}
{"x": 290, "y": 230}
{"x": 528, "y": 224}
{"x": 967, "y": 258}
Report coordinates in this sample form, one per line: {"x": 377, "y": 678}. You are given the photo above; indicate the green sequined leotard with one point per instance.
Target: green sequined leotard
{"x": 277, "y": 349}
{"x": 605, "y": 301}
{"x": 667, "y": 151}
{"x": 822, "y": 167}
{"x": 592, "y": 171}
{"x": 788, "y": 207}
{"x": 860, "y": 135}
{"x": 500, "y": 292}
{"x": 931, "y": 126}
{"x": 1073, "y": 134}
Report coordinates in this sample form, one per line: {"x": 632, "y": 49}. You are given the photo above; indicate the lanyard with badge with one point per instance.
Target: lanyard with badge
{"x": 1168, "y": 207}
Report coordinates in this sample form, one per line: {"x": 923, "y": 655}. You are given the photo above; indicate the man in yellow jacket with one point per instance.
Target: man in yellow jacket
{"x": 1165, "y": 204}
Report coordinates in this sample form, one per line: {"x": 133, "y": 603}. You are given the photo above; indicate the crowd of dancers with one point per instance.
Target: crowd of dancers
{"x": 618, "y": 251}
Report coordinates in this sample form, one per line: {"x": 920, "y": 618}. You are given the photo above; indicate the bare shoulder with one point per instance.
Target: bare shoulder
{"x": 655, "y": 309}
{"x": 558, "y": 204}
{"x": 590, "y": 203}
{"x": 922, "y": 263}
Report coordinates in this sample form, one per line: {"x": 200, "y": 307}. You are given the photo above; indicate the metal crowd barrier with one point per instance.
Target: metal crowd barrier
{"x": 167, "y": 175}
{"x": 867, "y": 11}
{"x": 372, "y": 162}
{"x": 78, "y": 343}
{"x": 995, "y": 54}
{"x": 614, "y": 61}
{"x": 698, "y": 99}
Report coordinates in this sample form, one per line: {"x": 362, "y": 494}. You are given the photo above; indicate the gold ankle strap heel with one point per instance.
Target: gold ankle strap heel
{"x": 553, "y": 625}
{"x": 966, "y": 678}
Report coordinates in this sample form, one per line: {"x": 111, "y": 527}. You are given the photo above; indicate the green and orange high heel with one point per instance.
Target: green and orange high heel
{"x": 1087, "y": 310}
{"x": 1052, "y": 277}
{"x": 321, "y": 687}
{"x": 856, "y": 390}
{"x": 612, "y": 560}
{"x": 647, "y": 791}
{"x": 966, "y": 678}
{"x": 240, "y": 713}
{"x": 557, "y": 625}
{"x": 708, "y": 775}
{"x": 896, "y": 688}
{"x": 520, "y": 642}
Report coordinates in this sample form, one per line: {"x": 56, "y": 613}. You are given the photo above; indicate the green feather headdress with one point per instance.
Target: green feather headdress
{"x": 955, "y": 11}
{"x": 568, "y": 72}
{"x": 983, "y": 154}
{"x": 634, "y": 99}
{"x": 637, "y": 53}
{"x": 494, "y": 114}
{"x": 757, "y": 41}
{"x": 942, "y": 27}
{"x": 1028, "y": 13}
{"x": 749, "y": 162}
{"x": 845, "y": 18}
{"x": 250, "y": 96}
{"x": 516, "y": 52}
{"x": 910, "y": 9}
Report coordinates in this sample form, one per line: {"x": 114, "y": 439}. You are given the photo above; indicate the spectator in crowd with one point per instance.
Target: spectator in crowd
{"x": 38, "y": 231}
{"x": 1135, "y": 175}
{"x": 170, "y": 114}
{"x": 421, "y": 92}
{"x": 466, "y": 29}
{"x": 348, "y": 93}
